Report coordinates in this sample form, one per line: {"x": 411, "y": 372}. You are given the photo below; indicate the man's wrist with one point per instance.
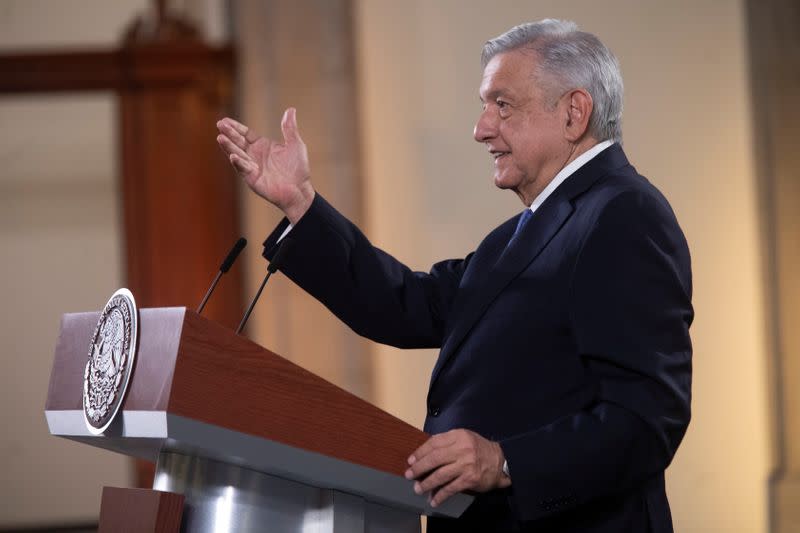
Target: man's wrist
{"x": 504, "y": 476}
{"x": 296, "y": 210}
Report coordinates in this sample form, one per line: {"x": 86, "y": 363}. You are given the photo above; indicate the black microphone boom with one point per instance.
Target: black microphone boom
{"x": 233, "y": 254}
{"x": 223, "y": 268}
{"x": 274, "y": 265}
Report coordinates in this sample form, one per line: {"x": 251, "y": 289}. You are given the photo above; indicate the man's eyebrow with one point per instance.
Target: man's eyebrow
{"x": 494, "y": 95}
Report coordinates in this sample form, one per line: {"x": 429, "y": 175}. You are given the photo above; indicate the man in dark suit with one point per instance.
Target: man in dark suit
{"x": 562, "y": 387}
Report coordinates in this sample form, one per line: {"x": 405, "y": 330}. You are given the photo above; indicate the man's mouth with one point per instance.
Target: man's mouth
{"x": 498, "y": 155}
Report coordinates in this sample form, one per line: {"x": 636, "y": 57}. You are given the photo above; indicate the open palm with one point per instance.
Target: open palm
{"x": 279, "y": 172}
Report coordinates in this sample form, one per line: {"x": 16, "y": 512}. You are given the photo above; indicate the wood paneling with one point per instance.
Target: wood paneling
{"x": 140, "y": 511}
{"x": 206, "y": 372}
{"x": 180, "y": 200}
{"x": 229, "y": 381}
{"x": 100, "y": 70}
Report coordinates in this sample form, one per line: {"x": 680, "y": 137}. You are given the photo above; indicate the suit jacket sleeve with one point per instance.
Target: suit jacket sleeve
{"x": 631, "y": 310}
{"x": 373, "y": 293}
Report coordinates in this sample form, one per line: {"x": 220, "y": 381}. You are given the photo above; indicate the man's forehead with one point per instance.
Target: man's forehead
{"x": 505, "y": 72}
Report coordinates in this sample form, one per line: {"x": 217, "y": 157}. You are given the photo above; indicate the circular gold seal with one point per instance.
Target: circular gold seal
{"x": 111, "y": 354}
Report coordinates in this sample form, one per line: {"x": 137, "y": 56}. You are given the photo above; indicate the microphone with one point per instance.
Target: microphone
{"x": 274, "y": 265}
{"x": 223, "y": 268}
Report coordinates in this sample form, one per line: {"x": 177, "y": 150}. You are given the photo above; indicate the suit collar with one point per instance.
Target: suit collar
{"x": 494, "y": 266}
{"x": 609, "y": 159}
{"x": 568, "y": 170}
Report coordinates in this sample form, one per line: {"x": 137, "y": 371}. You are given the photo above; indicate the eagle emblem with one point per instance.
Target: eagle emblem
{"x": 111, "y": 355}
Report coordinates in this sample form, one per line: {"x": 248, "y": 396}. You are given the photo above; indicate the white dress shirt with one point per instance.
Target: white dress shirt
{"x": 567, "y": 171}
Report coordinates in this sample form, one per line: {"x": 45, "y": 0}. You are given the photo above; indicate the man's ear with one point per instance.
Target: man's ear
{"x": 579, "y": 109}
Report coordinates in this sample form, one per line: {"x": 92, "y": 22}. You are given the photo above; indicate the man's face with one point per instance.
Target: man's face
{"x": 522, "y": 130}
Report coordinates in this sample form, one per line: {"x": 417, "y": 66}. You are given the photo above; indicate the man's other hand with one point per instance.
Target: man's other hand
{"x": 456, "y": 461}
{"x": 278, "y": 172}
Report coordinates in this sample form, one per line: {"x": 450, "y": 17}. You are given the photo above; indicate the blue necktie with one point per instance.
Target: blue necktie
{"x": 523, "y": 219}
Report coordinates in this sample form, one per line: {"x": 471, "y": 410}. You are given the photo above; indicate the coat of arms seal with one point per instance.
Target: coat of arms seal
{"x": 111, "y": 355}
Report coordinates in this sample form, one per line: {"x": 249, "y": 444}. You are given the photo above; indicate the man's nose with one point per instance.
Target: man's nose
{"x": 485, "y": 128}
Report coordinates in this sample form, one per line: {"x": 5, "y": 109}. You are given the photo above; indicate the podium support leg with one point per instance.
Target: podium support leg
{"x": 222, "y": 497}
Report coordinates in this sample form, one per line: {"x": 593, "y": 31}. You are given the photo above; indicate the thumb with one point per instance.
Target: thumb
{"x": 289, "y": 126}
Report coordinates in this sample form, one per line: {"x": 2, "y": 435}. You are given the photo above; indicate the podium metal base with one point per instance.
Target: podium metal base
{"x": 222, "y": 497}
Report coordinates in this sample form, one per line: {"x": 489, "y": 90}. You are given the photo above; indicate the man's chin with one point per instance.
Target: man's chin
{"x": 503, "y": 182}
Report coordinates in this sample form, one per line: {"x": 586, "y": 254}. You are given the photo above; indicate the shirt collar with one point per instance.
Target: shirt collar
{"x": 567, "y": 171}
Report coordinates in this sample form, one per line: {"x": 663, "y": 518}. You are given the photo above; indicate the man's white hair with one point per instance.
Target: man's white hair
{"x": 570, "y": 59}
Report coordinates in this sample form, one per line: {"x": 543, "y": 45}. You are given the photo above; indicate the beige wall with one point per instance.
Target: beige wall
{"x": 61, "y": 251}
{"x": 687, "y": 127}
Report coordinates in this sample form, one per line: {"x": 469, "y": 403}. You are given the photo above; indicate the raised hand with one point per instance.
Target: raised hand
{"x": 278, "y": 172}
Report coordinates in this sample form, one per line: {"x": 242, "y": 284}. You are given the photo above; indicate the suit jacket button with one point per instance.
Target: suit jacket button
{"x": 433, "y": 411}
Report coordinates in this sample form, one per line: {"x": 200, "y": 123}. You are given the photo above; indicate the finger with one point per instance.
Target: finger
{"x": 247, "y": 135}
{"x": 441, "y": 495}
{"x": 228, "y": 131}
{"x": 238, "y": 126}
{"x": 427, "y": 463}
{"x": 230, "y": 148}
{"x": 437, "y": 441}
{"x": 242, "y": 166}
{"x": 289, "y": 126}
{"x": 438, "y": 478}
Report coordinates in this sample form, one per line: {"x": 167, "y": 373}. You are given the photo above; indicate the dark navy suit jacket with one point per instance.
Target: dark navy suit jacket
{"x": 570, "y": 348}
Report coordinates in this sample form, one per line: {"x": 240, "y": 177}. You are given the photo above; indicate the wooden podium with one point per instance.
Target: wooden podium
{"x": 248, "y": 439}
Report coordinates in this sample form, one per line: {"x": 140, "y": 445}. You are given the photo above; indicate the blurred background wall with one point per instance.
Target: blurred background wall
{"x": 421, "y": 188}
{"x": 61, "y": 249}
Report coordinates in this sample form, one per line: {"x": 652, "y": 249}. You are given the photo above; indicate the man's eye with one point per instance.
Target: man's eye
{"x": 503, "y": 108}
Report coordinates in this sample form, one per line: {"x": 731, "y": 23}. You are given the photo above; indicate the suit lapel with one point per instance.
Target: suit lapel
{"x": 487, "y": 255}
{"x": 511, "y": 262}
{"x": 493, "y": 268}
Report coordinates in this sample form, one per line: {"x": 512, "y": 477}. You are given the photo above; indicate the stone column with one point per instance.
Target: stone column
{"x": 300, "y": 53}
{"x": 775, "y": 71}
